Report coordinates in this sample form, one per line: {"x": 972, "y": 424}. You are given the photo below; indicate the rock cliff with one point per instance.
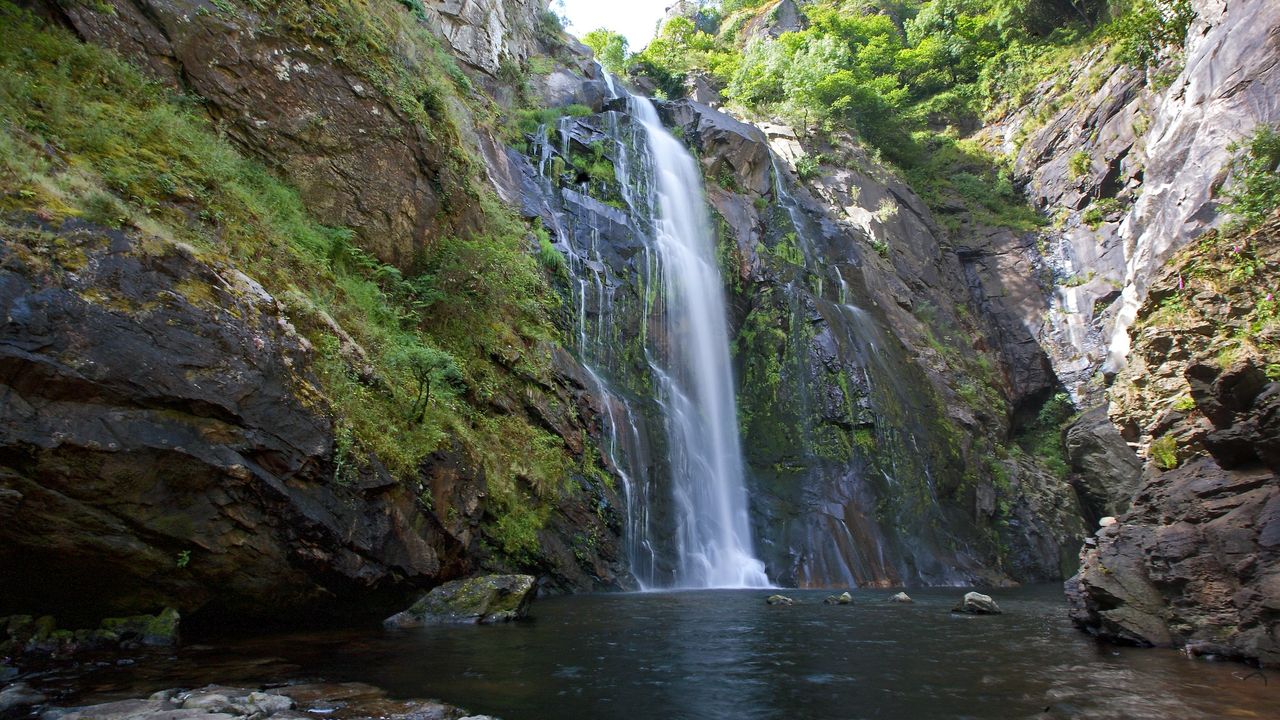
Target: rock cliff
{"x": 1194, "y": 562}
{"x": 175, "y": 431}
{"x": 1130, "y": 162}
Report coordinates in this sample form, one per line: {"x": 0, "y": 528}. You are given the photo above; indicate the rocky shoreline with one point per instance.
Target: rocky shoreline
{"x": 342, "y": 701}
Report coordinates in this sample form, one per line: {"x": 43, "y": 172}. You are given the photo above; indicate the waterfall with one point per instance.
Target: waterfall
{"x": 651, "y": 327}
{"x": 713, "y": 533}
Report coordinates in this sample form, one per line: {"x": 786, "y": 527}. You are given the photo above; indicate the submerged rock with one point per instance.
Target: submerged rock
{"x": 156, "y": 630}
{"x": 976, "y": 603}
{"x": 486, "y": 599}
{"x": 901, "y": 598}
{"x": 18, "y": 697}
{"x": 842, "y": 599}
{"x": 216, "y": 702}
{"x": 779, "y": 600}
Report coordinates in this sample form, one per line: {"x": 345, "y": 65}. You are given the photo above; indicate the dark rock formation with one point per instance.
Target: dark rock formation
{"x": 1195, "y": 561}
{"x": 485, "y": 600}
{"x": 163, "y": 440}
{"x": 17, "y": 699}
{"x": 156, "y": 448}
{"x": 1105, "y": 469}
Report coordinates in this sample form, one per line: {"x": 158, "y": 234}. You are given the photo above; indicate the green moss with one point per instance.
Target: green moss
{"x": 865, "y": 440}
{"x": 128, "y": 152}
{"x": 1164, "y": 452}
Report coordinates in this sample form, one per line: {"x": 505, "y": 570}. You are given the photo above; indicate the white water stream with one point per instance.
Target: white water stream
{"x": 713, "y": 532}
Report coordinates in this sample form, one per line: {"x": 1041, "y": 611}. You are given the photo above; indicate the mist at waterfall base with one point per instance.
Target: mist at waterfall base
{"x": 725, "y": 654}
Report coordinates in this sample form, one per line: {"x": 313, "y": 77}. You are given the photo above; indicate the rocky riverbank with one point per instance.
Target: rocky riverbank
{"x": 345, "y": 701}
{"x": 1195, "y": 562}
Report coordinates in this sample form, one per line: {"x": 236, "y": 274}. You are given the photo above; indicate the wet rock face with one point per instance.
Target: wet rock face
{"x": 156, "y": 451}
{"x": 1195, "y": 561}
{"x": 840, "y": 387}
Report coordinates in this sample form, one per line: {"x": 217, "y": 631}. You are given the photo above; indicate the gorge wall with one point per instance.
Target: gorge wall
{"x": 182, "y": 420}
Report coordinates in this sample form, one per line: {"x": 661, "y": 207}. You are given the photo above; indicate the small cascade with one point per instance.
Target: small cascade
{"x": 856, "y": 511}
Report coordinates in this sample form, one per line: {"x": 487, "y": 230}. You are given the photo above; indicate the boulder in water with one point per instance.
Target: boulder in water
{"x": 976, "y": 603}
{"x": 842, "y": 599}
{"x": 484, "y": 600}
{"x": 15, "y": 699}
{"x": 901, "y": 598}
{"x": 779, "y": 600}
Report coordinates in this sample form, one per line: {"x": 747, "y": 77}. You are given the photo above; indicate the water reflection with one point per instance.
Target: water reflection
{"x": 725, "y": 654}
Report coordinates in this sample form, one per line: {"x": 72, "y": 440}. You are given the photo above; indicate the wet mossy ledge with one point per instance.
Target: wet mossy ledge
{"x": 361, "y": 410}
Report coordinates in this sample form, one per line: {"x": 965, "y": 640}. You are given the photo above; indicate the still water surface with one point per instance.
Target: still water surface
{"x": 726, "y": 654}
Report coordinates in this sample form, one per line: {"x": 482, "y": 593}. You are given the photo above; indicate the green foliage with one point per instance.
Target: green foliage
{"x": 1079, "y": 164}
{"x": 1184, "y": 404}
{"x": 1164, "y": 451}
{"x": 909, "y": 78}
{"x": 1148, "y": 28}
{"x": 429, "y": 367}
{"x": 183, "y": 559}
{"x": 415, "y": 6}
{"x": 953, "y": 170}
{"x": 527, "y": 121}
{"x": 610, "y": 49}
{"x": 808, "y": 166}
{"x": 1255, "y": 193}
{"x": 1042, "y": 438}
{"x": 550, "y": 258}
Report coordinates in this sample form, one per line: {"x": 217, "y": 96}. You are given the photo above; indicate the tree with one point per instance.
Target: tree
{"x": 610, "y": 49}
{"x": 428, "y": 367}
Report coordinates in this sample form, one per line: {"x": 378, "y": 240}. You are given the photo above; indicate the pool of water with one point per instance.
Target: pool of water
{"x": 726, "y": 654}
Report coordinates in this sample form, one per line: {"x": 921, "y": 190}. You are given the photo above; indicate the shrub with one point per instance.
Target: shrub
{"x": 1164, "y": 452}
{"x": 1079, "y": 165}
{"x": 1255, "y": 193}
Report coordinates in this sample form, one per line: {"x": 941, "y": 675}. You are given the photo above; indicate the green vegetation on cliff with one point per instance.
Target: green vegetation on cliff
{"x": 85, "y": 134}
{"x": 909, "y": 78}
{"x": 1255, "y": 194}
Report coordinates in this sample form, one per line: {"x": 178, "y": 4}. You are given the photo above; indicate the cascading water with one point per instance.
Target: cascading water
{"x": 713, "y": 529}
{"x": 654, "y": 287}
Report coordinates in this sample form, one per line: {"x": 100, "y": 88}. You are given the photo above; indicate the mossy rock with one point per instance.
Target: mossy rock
{"x": 484, "y": 600}
{"x": 155, "y": 630}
